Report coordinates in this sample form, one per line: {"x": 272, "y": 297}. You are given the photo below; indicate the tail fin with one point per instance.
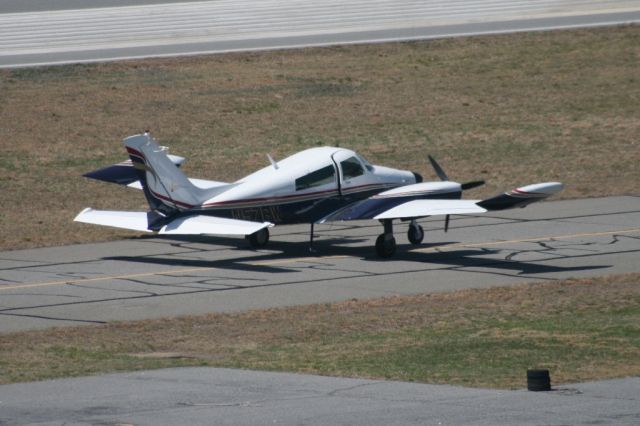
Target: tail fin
{"x": 167, "y": 189}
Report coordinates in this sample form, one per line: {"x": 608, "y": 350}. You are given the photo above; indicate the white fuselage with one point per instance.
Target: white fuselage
{"x": 292, "y": 180}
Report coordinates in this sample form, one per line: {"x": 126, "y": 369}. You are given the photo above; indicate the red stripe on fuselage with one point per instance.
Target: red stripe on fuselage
{"x": 291, "y": 198}
{"x": 135, "y": 152}
{"x": 171, "y": 200}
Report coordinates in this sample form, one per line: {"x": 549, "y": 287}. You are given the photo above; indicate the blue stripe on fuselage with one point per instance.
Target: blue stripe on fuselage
{"x": 325, "y": 209}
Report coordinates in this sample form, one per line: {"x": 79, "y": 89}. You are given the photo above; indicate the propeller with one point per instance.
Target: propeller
{"x": 443, "y": 176}
{"x": 472, "y": 184}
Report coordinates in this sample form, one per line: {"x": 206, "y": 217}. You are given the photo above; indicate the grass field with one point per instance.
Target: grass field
{"x": 579, "y": 329}
{"x": 510, "y": 109}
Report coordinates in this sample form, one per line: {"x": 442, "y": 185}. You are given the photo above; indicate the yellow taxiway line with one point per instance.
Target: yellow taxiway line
{"x": 103, "y": 278}
{"x": 525, "y": 240}
{"x": 307, "y": 259}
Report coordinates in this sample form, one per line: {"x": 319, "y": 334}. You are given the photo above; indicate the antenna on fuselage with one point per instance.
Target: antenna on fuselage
{"x": 273, "y": 162}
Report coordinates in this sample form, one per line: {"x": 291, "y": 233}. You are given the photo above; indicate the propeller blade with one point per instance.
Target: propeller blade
{"x": 446, "y": 223}
{"x": 441, "y": 174}
{"x": 472, "y": 184}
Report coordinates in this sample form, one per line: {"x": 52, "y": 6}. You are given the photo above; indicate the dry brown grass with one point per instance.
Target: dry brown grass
{"x": 510, "y": 109}
{"x": 584, "y": 329}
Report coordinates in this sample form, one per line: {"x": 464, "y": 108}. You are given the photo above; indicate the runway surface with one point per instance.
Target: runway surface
{"x": 121, "y": 29}
{"x": 206, "y": 396}
{"x": 151, "y": 277}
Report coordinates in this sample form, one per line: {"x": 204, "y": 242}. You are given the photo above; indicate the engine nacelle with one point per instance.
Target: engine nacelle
{"x": 424, "y": 190}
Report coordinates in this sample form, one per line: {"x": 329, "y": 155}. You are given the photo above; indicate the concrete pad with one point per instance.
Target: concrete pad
{"x": 205, "y": 396}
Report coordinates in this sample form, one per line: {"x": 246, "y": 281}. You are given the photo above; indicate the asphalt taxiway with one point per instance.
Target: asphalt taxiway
{"x": 142, "y": 278}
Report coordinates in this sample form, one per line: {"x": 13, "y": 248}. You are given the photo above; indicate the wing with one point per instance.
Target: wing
{"x": 378, "y": 209}
{"x": 408, "y": 207}
{"x": 421, "y": 208}
{"x": 184, "y": 225}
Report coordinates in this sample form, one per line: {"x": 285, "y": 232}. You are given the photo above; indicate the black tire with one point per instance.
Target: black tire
{"x": 415, "y": 234}
{"x": 385, "y": 246}
{"x": 258, "y": 239}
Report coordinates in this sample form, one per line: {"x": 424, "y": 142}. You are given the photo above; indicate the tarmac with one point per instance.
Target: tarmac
{"x": 211, "y": 396}
{"x": 143, "y": 278}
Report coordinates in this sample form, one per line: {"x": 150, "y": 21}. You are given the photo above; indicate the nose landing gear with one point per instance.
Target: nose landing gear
{"x": 415, "y": 233}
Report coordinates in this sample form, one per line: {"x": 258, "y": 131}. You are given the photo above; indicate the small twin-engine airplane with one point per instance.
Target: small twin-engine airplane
{"x": 317, "y": 185}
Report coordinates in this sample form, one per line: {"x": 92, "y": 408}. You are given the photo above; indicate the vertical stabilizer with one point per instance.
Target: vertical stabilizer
{"x": 167, "y": 189}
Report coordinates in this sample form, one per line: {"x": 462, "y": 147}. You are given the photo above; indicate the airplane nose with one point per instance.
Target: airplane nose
{"x": 418, "y": 177}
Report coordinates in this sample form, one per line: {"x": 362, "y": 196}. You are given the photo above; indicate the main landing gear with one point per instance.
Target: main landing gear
{"x": 386, "y": 243}
{"x": 258, "y": 239}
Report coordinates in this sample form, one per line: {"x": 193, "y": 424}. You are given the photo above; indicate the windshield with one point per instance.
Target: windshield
{"x": 365, "y": 162}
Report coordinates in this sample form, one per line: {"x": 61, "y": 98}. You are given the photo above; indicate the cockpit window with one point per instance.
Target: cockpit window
{"x": 320, "y": 177}
{"x": 351, "y": 168}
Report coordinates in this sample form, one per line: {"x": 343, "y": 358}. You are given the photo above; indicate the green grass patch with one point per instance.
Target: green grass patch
{"x": 581, "y": 330}
{"x": 510, "y": 109}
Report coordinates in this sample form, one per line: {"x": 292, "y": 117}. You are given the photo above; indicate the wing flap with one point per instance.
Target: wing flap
{"x": 186, "y": 225}
{"x": 420, "y": 208}
{"x": 212, "y": 225}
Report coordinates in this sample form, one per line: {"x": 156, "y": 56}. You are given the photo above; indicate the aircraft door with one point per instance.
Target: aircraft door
{"x": 352, "y": 173}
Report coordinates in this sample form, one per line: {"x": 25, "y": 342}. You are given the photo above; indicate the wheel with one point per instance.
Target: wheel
{"x": 415, "y": 234}
{"x": 259, "y": 238}
{"x": 385, "y": 245}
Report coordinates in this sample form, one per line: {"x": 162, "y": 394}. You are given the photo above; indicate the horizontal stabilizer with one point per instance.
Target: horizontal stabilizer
{"x": 124, "y": 173}
{"x": 421, "y": 208}
{"x": 185, "y": 225}
{"x": 200, "y": 183}
{"x": 135, "y": 221}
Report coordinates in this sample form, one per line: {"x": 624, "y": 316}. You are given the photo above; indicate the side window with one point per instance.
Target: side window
{"x": 351, "y": 168}
{"x": 320, "y": 177}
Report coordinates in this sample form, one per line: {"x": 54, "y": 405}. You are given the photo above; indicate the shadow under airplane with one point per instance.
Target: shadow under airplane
{"x": 192, "y": 254}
